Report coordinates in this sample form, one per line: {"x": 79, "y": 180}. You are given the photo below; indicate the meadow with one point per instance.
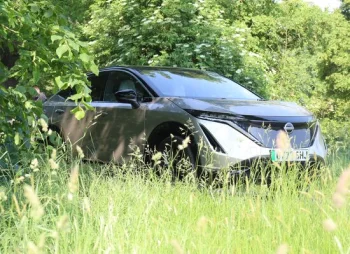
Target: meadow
{"x": 57, "y": 206}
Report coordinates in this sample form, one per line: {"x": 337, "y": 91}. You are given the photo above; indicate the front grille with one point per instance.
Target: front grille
{"x": 266, "y": 132}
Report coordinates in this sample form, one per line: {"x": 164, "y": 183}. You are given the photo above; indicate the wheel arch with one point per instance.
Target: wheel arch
{"x": 163, "y": 130}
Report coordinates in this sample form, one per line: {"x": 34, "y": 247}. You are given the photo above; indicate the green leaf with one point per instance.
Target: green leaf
{"x": 73, "y": 44}
{"x": 55, "y": 38}
{"x": 17, "y": 139}
{"x": 78, "y": 112}
{"x": 59, "y": 82}
{"x": 94, "y": 68}
{"x": 75, "y": 97}
{"x": 36, "y": 74}
{"x": 84, "y": 57}
{"x": 48, "y": 14}
{"x": 61, "y": 50}
{"x": 88, "y": 105}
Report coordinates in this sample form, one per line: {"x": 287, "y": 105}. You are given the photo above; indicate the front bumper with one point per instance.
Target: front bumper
{"x": 238, "y": 149}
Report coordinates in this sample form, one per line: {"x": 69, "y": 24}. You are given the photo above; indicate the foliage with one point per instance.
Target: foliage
{"x": 345, "y": 9}
{"x": 45, "y": 53}
{"x": 307, "y": 49}
{"x": 174, "y": 33}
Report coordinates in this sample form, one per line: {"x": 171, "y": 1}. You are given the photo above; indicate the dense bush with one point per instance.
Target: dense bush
{"x": 175, "y": 33}
{"x": 37, "y": 49}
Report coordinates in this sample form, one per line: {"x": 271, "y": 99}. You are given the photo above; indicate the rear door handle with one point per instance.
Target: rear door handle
{"x": 59, "y": 111}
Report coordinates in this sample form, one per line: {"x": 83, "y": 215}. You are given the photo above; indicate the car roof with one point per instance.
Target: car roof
{"x": 139, "y": 69}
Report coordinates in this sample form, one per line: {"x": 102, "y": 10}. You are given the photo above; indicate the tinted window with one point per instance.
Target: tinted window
{"x": 118, "y": 80}
{"x": 97, "y": 87}
{"x": 195, "y": 84}
{"x": 98, "y": 84}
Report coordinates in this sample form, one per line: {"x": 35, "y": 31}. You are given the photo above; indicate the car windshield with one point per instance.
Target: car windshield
{"x": 194, "y": 84}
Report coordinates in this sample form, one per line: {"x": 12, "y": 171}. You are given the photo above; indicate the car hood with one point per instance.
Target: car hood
{"x": 243, "y": 107}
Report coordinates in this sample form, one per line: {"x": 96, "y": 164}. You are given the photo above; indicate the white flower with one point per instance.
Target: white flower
{"x": 238, "y": 71}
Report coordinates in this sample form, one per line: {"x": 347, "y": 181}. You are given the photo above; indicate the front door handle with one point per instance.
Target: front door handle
{"x": 59, "y": 111}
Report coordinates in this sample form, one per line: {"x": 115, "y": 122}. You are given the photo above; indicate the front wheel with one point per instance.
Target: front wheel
{"x": 177, "y": 157}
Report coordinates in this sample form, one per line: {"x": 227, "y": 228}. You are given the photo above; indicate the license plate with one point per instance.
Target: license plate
{"x": 290, "y": 155}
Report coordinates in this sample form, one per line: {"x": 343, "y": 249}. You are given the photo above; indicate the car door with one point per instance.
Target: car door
{"x": 76, "y": 132}
{"x": 119, "y": 128}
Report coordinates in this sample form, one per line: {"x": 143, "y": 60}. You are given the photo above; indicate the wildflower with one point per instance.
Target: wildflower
{"x": 37, "y": 210}
{"x": 34, "y": 164}
{"x": 80, "y": 152}
{"x": 49, "y": 133}
{"x": 53, "y": 164}
{"x": 329, "y": 225}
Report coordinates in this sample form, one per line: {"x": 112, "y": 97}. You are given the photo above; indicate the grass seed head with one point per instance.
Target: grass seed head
{"x": 177, "y": 247}
{"x": 37, "y": 211}
{"x": 34, "y": 164}
{"x": 282, "y": 141}
{"x": 74, "y": 179}
{"x": 54, "y": 154}
{"x": 3, "y": 196}
{"x": 343, "y": 183}
{"x": 282, "y": 249}
{"x": 63, "y": 223}
{"x": 80, "y": 152}
{"x": 329, "y": 225}
{"x": 43, "y": 124}
{"x": 53, "y": 164}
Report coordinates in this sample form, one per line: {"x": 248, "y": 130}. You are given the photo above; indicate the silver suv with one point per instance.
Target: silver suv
{"x": 157, "y": 107}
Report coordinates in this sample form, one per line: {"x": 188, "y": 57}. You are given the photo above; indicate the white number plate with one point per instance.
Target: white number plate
{"x": 290, "y": 155}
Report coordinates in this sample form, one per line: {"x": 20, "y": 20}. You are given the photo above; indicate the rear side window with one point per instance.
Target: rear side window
{"x": 98, "y": 84}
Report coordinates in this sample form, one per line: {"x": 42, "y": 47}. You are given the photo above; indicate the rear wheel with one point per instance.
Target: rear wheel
{"x": 177, "y": 157}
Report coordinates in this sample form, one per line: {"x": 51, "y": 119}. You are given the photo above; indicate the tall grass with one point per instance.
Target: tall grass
{"x": 75, "y": 207}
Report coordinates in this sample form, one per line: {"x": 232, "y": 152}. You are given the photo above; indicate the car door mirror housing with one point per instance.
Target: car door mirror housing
{"x": 127, "y": 96}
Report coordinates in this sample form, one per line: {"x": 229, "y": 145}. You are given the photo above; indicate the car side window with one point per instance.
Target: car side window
{"x": 118, "y": 81}
{"x": 98, "y": 84}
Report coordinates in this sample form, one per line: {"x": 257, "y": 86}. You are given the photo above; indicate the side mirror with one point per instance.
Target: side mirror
{"x": 127, "y": 96}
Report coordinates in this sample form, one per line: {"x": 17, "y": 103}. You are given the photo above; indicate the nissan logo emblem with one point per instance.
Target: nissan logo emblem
{"x": 289, "y": 128}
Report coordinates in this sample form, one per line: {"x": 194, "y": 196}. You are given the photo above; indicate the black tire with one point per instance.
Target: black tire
{"x": 181, "y": 162}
